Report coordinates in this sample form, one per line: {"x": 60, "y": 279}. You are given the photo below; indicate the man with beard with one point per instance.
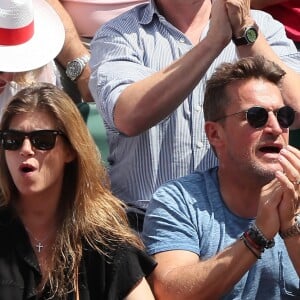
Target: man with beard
{"x": 232, "y": 232}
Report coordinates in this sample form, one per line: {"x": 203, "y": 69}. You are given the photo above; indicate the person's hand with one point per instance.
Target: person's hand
{"x": 83, "y": 85}
{"x": 289, "y": 159}
{"x": 220, "y": 28}
{"x": 267, "y": 219}
{"x": 239, "y": 15}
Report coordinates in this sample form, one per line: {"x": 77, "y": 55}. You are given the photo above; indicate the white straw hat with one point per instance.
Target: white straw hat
{"x": 31, "y": 34}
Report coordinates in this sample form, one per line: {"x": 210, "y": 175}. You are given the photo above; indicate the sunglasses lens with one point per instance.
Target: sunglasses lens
{"x": 285, "y": 116}
{"x": 12, "y": 140}
{"x": 40, "y": 139}
{"x": 257, "y": 116}
{"x": 43, "y": 140}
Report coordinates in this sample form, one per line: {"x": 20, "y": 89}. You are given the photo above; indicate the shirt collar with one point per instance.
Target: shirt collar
{"x": 149, "y": 13}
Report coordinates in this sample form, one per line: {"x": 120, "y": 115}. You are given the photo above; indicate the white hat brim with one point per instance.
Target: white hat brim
{"x": 44, "y": 46}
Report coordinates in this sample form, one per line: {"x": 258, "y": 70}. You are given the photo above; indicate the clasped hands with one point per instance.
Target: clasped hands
{"x": 280, "y": 198}
{"x": 230, "y": 15}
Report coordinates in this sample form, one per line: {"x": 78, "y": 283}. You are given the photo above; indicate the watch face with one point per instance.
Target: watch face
{"x": 251, "y": 35}
{"x": 74, "y": 69}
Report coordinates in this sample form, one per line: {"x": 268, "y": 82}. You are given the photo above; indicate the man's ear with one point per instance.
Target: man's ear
{"x": 214, "y": 132}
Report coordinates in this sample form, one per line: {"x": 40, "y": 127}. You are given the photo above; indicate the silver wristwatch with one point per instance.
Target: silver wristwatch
{"x": 76, "y": 66}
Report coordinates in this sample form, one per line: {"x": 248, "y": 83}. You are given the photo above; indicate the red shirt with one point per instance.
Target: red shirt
{"x": 288, "y": 13}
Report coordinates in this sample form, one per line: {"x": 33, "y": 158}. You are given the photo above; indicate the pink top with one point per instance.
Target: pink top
{"x": 288, "y": 13}
{"x": 89, "y": 15}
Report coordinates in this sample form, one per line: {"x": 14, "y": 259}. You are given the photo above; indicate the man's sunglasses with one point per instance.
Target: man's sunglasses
{"x": 40, "y": 139}
{"x": 258, "y": 116}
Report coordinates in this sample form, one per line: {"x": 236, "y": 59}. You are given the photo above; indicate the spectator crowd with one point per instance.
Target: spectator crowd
{"x": 199, "y": 195}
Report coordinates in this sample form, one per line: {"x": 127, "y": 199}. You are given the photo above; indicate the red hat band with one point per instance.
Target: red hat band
{"x": 16, "y": 36}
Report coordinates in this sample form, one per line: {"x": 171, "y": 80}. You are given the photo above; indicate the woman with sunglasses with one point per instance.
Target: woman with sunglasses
{"x": 63, "y": 234}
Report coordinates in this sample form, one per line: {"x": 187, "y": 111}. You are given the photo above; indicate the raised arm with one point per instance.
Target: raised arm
{"x": 73, "y": 48}
{"x": 147, "y": 102}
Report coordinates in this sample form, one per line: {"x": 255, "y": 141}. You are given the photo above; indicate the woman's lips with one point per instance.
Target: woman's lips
{"x": 26, "y": 168}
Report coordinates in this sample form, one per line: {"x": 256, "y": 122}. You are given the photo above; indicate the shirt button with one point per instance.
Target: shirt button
{"x": 199, "y": 145}
{"x": 182, "y": 40}
{"x": 198, "y": 108}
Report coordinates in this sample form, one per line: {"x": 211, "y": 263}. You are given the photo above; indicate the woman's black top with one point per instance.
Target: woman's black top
{"x": 99, "y": 277}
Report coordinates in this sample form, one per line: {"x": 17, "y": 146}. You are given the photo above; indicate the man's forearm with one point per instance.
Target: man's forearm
{"x": 73, "y": 46}
{"x": 203, "y": 279}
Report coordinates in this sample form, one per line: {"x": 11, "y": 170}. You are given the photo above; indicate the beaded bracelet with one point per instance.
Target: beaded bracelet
{"x": 258, "y": 237}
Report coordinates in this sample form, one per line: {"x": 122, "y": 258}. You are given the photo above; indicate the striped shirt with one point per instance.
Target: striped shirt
{"x": 132, "y": 47}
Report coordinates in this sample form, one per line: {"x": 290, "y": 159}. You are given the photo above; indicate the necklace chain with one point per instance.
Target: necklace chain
{"x": 39, "y": 243}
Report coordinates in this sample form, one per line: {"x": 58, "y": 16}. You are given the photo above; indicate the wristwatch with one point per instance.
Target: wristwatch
{"x": 293, "y": 230}
{"x": 76, "y": 66}
{"x": 249, "y": 36}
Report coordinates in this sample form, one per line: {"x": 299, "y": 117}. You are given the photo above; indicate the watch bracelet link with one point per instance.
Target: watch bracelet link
{"x": 85, "y": 58}
{"x": 293, "y": 230}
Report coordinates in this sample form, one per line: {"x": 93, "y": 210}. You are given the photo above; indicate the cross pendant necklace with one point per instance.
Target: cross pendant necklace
{"x": 39, "y": 247}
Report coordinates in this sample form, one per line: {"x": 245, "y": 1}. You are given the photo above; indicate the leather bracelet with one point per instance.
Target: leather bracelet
{"x": 252, "y": 242}
{"x": 244, "y": 239}
{"x": 293, "y": 230}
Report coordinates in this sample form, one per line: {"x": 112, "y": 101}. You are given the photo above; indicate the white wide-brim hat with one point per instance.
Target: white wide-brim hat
{"x": 43, "y": 46}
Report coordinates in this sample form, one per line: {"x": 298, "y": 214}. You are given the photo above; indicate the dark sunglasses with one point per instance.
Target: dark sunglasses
{"x": 40, "y": 139}
{"x": 258, "y": 116}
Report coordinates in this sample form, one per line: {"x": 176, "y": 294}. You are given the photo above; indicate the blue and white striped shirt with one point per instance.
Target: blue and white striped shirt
{"x": 133, "y": 46}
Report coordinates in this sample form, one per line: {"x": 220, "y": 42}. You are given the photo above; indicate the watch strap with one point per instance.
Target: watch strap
{"x": 257, "y": 236}
{"x": 244, "y": 40}
{"x": 85, "y": 59}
